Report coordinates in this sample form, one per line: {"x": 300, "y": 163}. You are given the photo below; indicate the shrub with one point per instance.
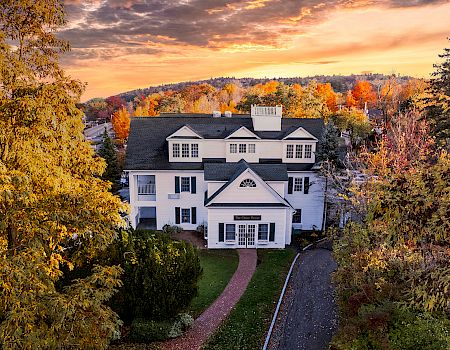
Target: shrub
{"x": 411, "y": 331}
{"x": 144, "y": 331}
{"x": 160, "y": 275}
{"x": 171, "y": 229}
{"x": 181, "y": 324}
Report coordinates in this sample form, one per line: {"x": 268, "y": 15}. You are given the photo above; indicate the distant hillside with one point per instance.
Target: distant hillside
{"x": 340, "y": 83}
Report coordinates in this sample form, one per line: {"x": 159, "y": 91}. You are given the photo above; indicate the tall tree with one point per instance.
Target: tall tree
{"x": 438, "y": 104}
{"x": 55, "y": 211}
{"x": 121, "y": 124}
{"x": 363, "y": 93}
{"x": 108, "y": 152}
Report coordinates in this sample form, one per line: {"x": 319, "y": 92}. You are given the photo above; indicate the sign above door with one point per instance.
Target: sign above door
{"x": 247, "y": 217}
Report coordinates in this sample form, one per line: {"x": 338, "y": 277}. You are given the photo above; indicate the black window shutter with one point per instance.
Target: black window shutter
{"x": 306, "y": 185}
{"x": 193, "y": 184}
{"x": 177, "y": 215}
{"x": 272, "y": 232}
{"x": 221, "y": 236}
{"x": 290, "y": 185}
{"x": 177, "y": 184}
{"x": 194, "y": 215}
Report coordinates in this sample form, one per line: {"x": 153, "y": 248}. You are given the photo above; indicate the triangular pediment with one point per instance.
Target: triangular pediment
{"x": 242, "y": 133}
{"x": 240, "y": 190}
{"x": 300, "y": 134}
{"x": 185, "y": 132}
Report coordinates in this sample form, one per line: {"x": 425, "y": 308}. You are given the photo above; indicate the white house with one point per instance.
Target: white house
{"x": 250, "y": 179}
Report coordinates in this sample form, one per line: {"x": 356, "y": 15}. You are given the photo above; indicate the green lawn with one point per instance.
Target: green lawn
{"x": 248, "y": 323}
{"x": 218, "y": 268}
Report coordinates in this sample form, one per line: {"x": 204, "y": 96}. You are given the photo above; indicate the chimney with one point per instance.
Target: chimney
{"x": 216, "y": 114}
{"x": 228, "y": 114}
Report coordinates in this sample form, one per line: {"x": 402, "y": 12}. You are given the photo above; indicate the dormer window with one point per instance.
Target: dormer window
{"x": 290, "y": 151}
{"x": 247, "y": 183}
{"x": 185, "y": 150}
{"x": 176, "y": 150}
{"x": 194, "y": 150}
{"x": 308, "y": 151}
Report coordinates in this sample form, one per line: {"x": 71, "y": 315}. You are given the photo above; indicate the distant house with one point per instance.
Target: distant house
{"x": 249, "y": 179}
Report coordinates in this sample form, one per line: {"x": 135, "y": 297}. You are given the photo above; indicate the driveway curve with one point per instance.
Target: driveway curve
{"x": 308, "y": 317}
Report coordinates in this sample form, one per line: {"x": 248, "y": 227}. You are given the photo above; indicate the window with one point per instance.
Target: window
{"x": 297, "y": 217}
{"x": 308, "y": 151}
{"x": 185, "y": 184}
{"x": 298, "y": 184}
{"x": 251, "y": 148}
{"x": 233, "y": 148}
{"x": 263, "y": 232}
{"x": 185, "y": 216}
{"x": 194, "y": 150}
{"x": 242, "y": 148}
{"x": 176, "y": 150}
{"x": 247, "y": 183}
{"x": 185, "y": 150}
{"x": 230, "y": 232}
{"x": 299, "y": 151}
{"x": 290, "y": 151}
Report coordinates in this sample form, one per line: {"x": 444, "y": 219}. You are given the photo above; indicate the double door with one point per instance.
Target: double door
{"x": 246, "y": 235}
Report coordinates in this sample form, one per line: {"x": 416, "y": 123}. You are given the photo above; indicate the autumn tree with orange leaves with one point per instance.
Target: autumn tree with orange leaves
{"x": 362, "y": 92}
{"x": 329, "y": 96}
{"x": 121, "y": 124}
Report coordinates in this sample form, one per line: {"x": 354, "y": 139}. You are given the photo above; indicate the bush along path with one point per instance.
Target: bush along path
{"x": 308, "y": 317}
{"x": 207, "y": 323}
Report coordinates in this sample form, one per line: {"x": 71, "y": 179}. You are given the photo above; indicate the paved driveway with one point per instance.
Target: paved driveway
{"x": 309, "y": 316}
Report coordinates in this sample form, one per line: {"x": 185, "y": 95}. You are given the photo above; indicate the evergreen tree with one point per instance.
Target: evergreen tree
{"x": 328, "y": 149}
{"x": 108, "y": 152}
{"x": 438, "y": 104}
{"x": 55, "y": 210}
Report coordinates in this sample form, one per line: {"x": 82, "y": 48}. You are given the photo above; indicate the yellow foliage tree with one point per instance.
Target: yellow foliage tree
{"x": 121, "y": 124}
{"x": 55, "y": 211}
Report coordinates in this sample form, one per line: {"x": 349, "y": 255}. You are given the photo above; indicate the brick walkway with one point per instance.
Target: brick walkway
{"x": 207, "y": 323}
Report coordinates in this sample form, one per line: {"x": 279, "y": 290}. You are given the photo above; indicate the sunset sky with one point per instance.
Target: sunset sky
{"x": 121, "y": 45}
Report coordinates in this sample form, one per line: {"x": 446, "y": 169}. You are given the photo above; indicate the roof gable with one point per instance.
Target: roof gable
{"x": 184, "y": 132}
{"x": 242, "y": 133}
{"x": 231, "y": 192}
{"x": 300, "y": 134}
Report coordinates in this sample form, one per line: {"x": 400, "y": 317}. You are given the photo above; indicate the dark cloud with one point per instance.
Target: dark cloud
{"x": 101, "y": 25}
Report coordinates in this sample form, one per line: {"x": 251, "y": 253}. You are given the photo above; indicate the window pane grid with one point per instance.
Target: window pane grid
{"x": 194, "y": 150}
{"x": 297, "y": 217}
{"x": 242, "y": 148}
{"x": 233, "y": 148}
{"x": 308, "y": 151}
{"x": 298, "y": 184}
{"x": 290, "y": 151}
{"x": 176, "y": 150}
{"x": 251, "y": 148}
{"x": 230, "y": 232}
{"x": 247, "y": 183}
{"x": 185, "y": 150}
{"x": 263, "y": 232}
{"x": 299, "y": 151}
{"x": 185, "y": 215}
{"x": 185, "y": 184}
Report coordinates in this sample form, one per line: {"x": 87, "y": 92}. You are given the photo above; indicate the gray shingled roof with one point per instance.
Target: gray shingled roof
{"x": 147, "y": 146}
{"x": 224, "y": 171}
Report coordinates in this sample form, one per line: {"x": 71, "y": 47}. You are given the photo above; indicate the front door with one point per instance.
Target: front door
{"x": 246, "y": 235}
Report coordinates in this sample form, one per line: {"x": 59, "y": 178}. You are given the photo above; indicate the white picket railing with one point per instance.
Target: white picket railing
{"x": 147, "y": 189}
